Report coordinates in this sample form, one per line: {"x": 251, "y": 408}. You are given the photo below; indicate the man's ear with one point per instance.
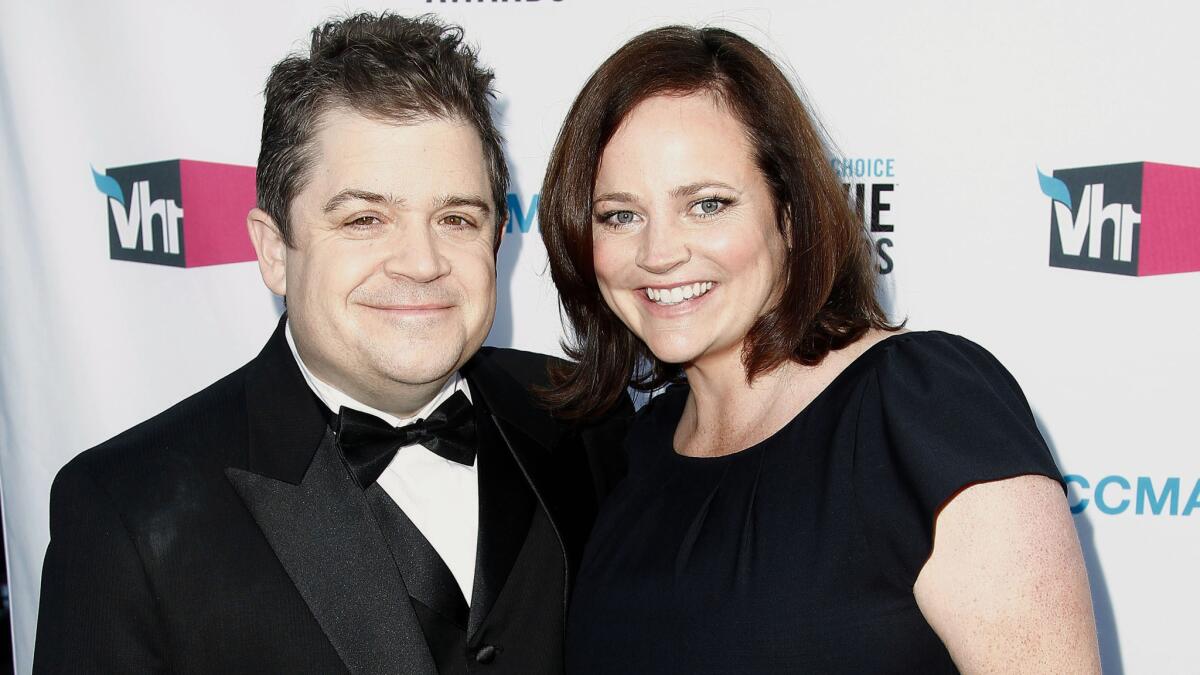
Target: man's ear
{"x": 271, "y": 249}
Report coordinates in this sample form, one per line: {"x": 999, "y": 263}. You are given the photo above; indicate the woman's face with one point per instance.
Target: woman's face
{"x": 684, "y": 238}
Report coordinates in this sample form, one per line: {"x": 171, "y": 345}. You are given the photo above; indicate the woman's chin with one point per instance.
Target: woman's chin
{"x": 675, "y": 353}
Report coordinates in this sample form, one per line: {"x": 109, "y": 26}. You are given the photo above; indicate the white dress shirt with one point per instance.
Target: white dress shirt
{"x": 440, "y": 496}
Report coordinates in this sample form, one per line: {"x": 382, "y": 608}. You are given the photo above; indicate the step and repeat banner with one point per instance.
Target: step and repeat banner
{"x": 1028, "y": 172}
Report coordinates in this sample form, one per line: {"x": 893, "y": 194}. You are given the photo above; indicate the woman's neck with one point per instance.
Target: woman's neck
{"x": 725, "y": 414}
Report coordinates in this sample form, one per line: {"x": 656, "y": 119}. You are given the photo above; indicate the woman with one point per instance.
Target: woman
{"x": 779, "y": 513}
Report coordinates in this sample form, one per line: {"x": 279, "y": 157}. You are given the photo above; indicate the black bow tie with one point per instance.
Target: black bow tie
{"x": 369, "y": 443}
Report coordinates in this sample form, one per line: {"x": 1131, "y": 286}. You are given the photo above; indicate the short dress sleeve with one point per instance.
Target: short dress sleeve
{"x": 941, "y": 414}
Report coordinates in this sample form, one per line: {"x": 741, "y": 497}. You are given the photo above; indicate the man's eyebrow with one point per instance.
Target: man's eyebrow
{"x": 695, "y": 188}
{"x": 472, "y": 200}
{"x": 351, "y": 194}
{"x": 615, "y": 197}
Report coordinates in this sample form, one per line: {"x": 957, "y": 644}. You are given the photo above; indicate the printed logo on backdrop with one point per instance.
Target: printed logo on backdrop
{"x": 1137, "y": 219}
{"x": 178, "y": 212}
{"x": 1117, "y": 495}
{"x": 522, "y": 216}
{"x": 870, "y": 184}
{"x": 185, "y": 213}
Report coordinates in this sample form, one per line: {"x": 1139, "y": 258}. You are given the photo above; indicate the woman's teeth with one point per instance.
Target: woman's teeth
{"x": 674, "y": 296}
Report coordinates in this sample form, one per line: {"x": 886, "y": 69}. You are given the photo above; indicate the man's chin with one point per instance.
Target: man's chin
{"x": 418, "y": 368}
{"x": 420, "y": 357}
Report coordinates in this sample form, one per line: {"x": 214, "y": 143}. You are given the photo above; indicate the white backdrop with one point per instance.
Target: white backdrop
{"x": 967, "y": 101}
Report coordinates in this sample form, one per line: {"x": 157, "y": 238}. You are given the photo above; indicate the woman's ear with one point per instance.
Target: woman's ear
{"x": 785, "y": 226}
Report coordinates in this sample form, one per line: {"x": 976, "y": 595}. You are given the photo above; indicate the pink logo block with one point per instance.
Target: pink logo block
{"x": 1136, "y": 218}
{"x": 1170, "y": 227}
{"x": 178, "y": 212}
{"x": 216, "y": 199}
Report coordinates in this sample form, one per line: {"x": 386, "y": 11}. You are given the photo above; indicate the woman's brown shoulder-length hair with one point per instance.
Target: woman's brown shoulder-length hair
{"x": 829, "y": 281}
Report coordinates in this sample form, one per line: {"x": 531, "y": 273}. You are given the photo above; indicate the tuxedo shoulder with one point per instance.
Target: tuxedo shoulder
{"x": 190, "y": 438}
{"x": 531, "y": 369}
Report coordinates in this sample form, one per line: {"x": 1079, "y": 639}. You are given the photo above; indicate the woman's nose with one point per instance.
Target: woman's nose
{"x": 662, "y": 248}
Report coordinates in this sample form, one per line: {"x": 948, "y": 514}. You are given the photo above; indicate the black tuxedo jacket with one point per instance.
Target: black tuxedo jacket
{"x": 225, "y": 535}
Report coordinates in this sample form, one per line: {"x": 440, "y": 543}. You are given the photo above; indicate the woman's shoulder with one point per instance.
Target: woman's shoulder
{"x": 940, "y": 414}
{"x": 933, "y": 351}
{"x": 941, "y": 386}
{"x": 923, "y": 363}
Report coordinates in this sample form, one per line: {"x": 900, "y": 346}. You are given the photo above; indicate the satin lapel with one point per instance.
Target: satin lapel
{"x": 423, "y": 571}
{"x": 324, "y": 535}
{"x": 554, "y": 463}
{"x": 286, "y": 419}
{"x": 506, "y": 505}
{"x": 530, "y": 435}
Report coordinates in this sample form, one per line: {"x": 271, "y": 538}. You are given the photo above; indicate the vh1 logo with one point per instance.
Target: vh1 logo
{"x": 178, "y": 212}
{"x": 1138, "y": 219}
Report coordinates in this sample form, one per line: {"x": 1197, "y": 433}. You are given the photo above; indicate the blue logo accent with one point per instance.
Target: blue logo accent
{"x": 1055, "y": 189}
{"x": 522, "y": 217}
{"x": 108, "y": 185}
{"x": 1142, "y": 495}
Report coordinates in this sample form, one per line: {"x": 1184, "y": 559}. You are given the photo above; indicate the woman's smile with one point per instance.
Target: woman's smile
{"x": 669, "y": 296}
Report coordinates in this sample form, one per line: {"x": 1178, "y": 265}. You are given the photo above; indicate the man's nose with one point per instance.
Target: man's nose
{"x": 416, "y": 254}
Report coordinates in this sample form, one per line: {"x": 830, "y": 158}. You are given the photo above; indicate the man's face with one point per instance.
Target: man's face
{"x": 391, "y": 280}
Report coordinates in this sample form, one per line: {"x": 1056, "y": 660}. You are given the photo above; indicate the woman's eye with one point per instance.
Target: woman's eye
{"x": 709, "y": 207}
{"x": 619, "y": 218}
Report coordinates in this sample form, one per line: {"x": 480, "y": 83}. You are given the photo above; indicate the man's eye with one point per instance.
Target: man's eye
{"x": 362, "y": 222}
{"x": 457, "y": 222}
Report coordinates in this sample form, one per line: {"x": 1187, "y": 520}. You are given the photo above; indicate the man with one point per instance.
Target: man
{"x": 373, "y": 493}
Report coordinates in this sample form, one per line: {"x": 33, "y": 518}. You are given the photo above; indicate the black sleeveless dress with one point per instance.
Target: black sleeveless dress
{"x": 799, "y": 554}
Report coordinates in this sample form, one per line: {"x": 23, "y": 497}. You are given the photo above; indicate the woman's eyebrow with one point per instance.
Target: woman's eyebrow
{"x": 616, "y": 197}
{"x": 694, "y": 188}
